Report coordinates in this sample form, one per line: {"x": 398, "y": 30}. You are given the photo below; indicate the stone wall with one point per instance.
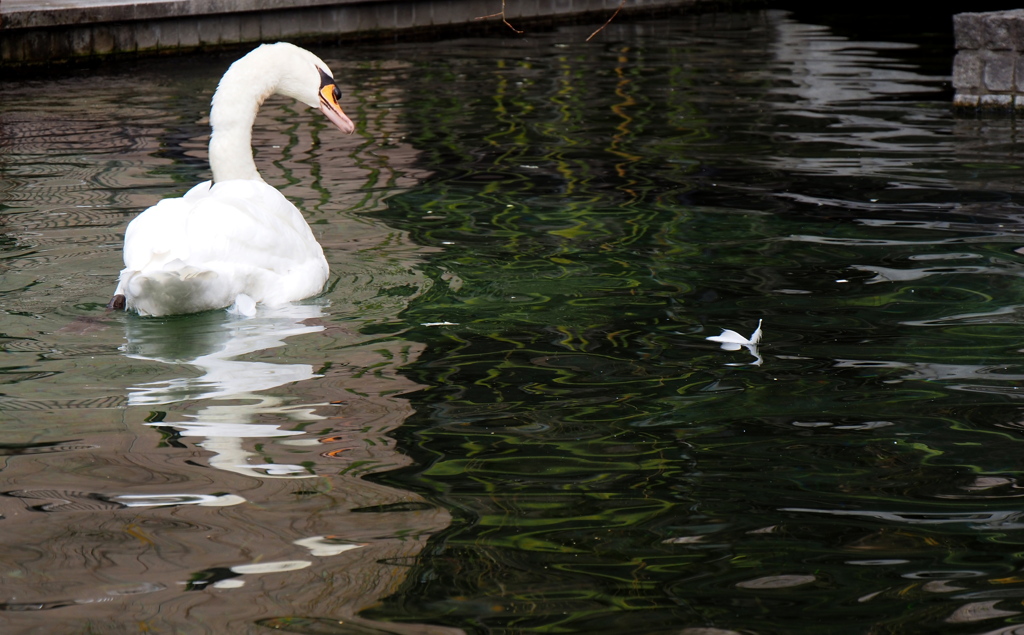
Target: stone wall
{"x": 36, "y": 33}
{"x": 988, "y": 71}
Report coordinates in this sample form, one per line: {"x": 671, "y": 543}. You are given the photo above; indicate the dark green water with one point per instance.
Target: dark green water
{"x": 505, "y": 416}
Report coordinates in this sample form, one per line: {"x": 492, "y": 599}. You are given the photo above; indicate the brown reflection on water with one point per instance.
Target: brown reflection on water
{"x": 91, "y": 528}
{"x": 200, "y": 474}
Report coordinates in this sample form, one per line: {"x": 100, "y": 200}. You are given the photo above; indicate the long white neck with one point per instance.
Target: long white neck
{"x": 271, "y": 68}
{"x": 239, "y": 96}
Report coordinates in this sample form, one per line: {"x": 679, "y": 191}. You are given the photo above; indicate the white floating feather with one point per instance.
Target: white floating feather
{"x": 733, "y": 341}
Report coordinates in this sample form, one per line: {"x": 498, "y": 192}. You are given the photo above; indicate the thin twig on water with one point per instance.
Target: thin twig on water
{"x": 503, "y": 19}
{"x": 621, "y": 4}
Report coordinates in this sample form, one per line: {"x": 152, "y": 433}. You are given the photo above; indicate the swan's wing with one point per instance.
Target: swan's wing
{"x": 244, "y": 223}
{"x": 249, "y": 224}
{"x": 157, "y": 235}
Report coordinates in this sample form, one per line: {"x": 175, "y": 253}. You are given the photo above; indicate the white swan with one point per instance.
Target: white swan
{"x": 234, "y": 240}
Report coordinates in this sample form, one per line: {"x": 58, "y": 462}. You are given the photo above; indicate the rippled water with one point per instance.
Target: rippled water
{"x": 504, "y": 415}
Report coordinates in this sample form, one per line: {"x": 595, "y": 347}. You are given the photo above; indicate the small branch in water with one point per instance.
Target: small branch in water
{"x": 503, "y": 19}
{"x": 621, "y": 4}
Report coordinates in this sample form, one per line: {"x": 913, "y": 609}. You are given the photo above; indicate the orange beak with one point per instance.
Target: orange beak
{"x": 329, "y": 96}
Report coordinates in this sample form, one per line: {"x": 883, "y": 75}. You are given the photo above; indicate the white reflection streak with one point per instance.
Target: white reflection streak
{"x": 225, "y": 377}
{"x": 978, "y": 520}
{"x": 887, "y": 274}
{"x": 827, "y": 74}
{"x": 873, "y": 242}
{"x": 173, "y": 500}
{"x": 935, "y": 371}
{"x": 1002, "y": 315}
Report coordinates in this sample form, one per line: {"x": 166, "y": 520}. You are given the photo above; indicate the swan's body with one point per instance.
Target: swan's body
{"x": 234, "y": 240}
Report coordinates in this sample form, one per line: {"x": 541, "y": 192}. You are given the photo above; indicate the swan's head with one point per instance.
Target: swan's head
{"x": 305, "y": 77}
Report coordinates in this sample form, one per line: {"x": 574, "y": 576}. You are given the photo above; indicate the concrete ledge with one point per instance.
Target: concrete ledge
{"x": 35, "y": 33}
{"x": 31, "y": 14}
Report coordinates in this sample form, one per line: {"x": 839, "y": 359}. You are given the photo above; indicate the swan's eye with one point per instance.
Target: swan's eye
{"x": 337, "y": 94}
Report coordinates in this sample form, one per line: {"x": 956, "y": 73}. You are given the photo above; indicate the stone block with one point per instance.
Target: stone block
{"x": 167, "y": 34}
{"x": 270, "y": 27}
{"x": 210, "y": 29}
{"x": 231, "y": 30}
{"x": 38, "y": 44}
{"x": 385, "y": 12}
{"x": 296, "y": 23}
{"x": 287, "y": 25}
{"x": 369, "y": 20}
{"x": 80, "y": 39}
{"x": 343, "y": 20}
{"x": 996, "y": 32}
{"x": 967, "y": 67}
{"x": 8, "y": 49}
{"x": 998, "y": 74}
{"x": 438, "y": 12}
{"x": 102, "y": 39}
{"x": 513, "y": 9}
{"x": 248, "y": 27}
{"x": 968, "y": 31}
{"x": 124, "y": 37}
{"x": 14, "y": 47}
{"x": 557, "y": 7}
{"x": 996, "y": 102}
{"x": 534, "y": 7}
{"x": 455, "y": 12}
{"x": 1001, "y": 30}
{"x": 147, "y": 35}
{"x": 1016, "y": 29}
{"x": 311, "y": 22}
{"x": 1018, "y": 74}
{"x": 188, "y": 33}
{"x": 965, "y": 101}
{"x": 405, "y": 14}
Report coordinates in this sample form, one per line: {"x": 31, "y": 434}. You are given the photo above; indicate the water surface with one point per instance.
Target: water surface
{"x": 504, "y": 416}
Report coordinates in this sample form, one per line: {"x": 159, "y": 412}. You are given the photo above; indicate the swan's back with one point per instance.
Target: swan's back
{"x": 219, "y": 242}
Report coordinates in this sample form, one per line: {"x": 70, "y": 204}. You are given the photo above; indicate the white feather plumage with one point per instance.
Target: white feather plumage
{"x": 217, "y": 242}
{"x": 237, "y": 241}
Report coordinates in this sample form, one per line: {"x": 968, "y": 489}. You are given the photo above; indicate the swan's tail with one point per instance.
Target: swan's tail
{"x": 173, "y": 290}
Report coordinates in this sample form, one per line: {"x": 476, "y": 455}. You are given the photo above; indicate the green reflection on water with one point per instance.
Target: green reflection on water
{"x": 600, "y": 213}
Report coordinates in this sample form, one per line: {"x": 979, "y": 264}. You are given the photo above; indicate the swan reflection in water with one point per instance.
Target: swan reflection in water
{"x": 213, "y": 344}
{"x": 359, "y": 535}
